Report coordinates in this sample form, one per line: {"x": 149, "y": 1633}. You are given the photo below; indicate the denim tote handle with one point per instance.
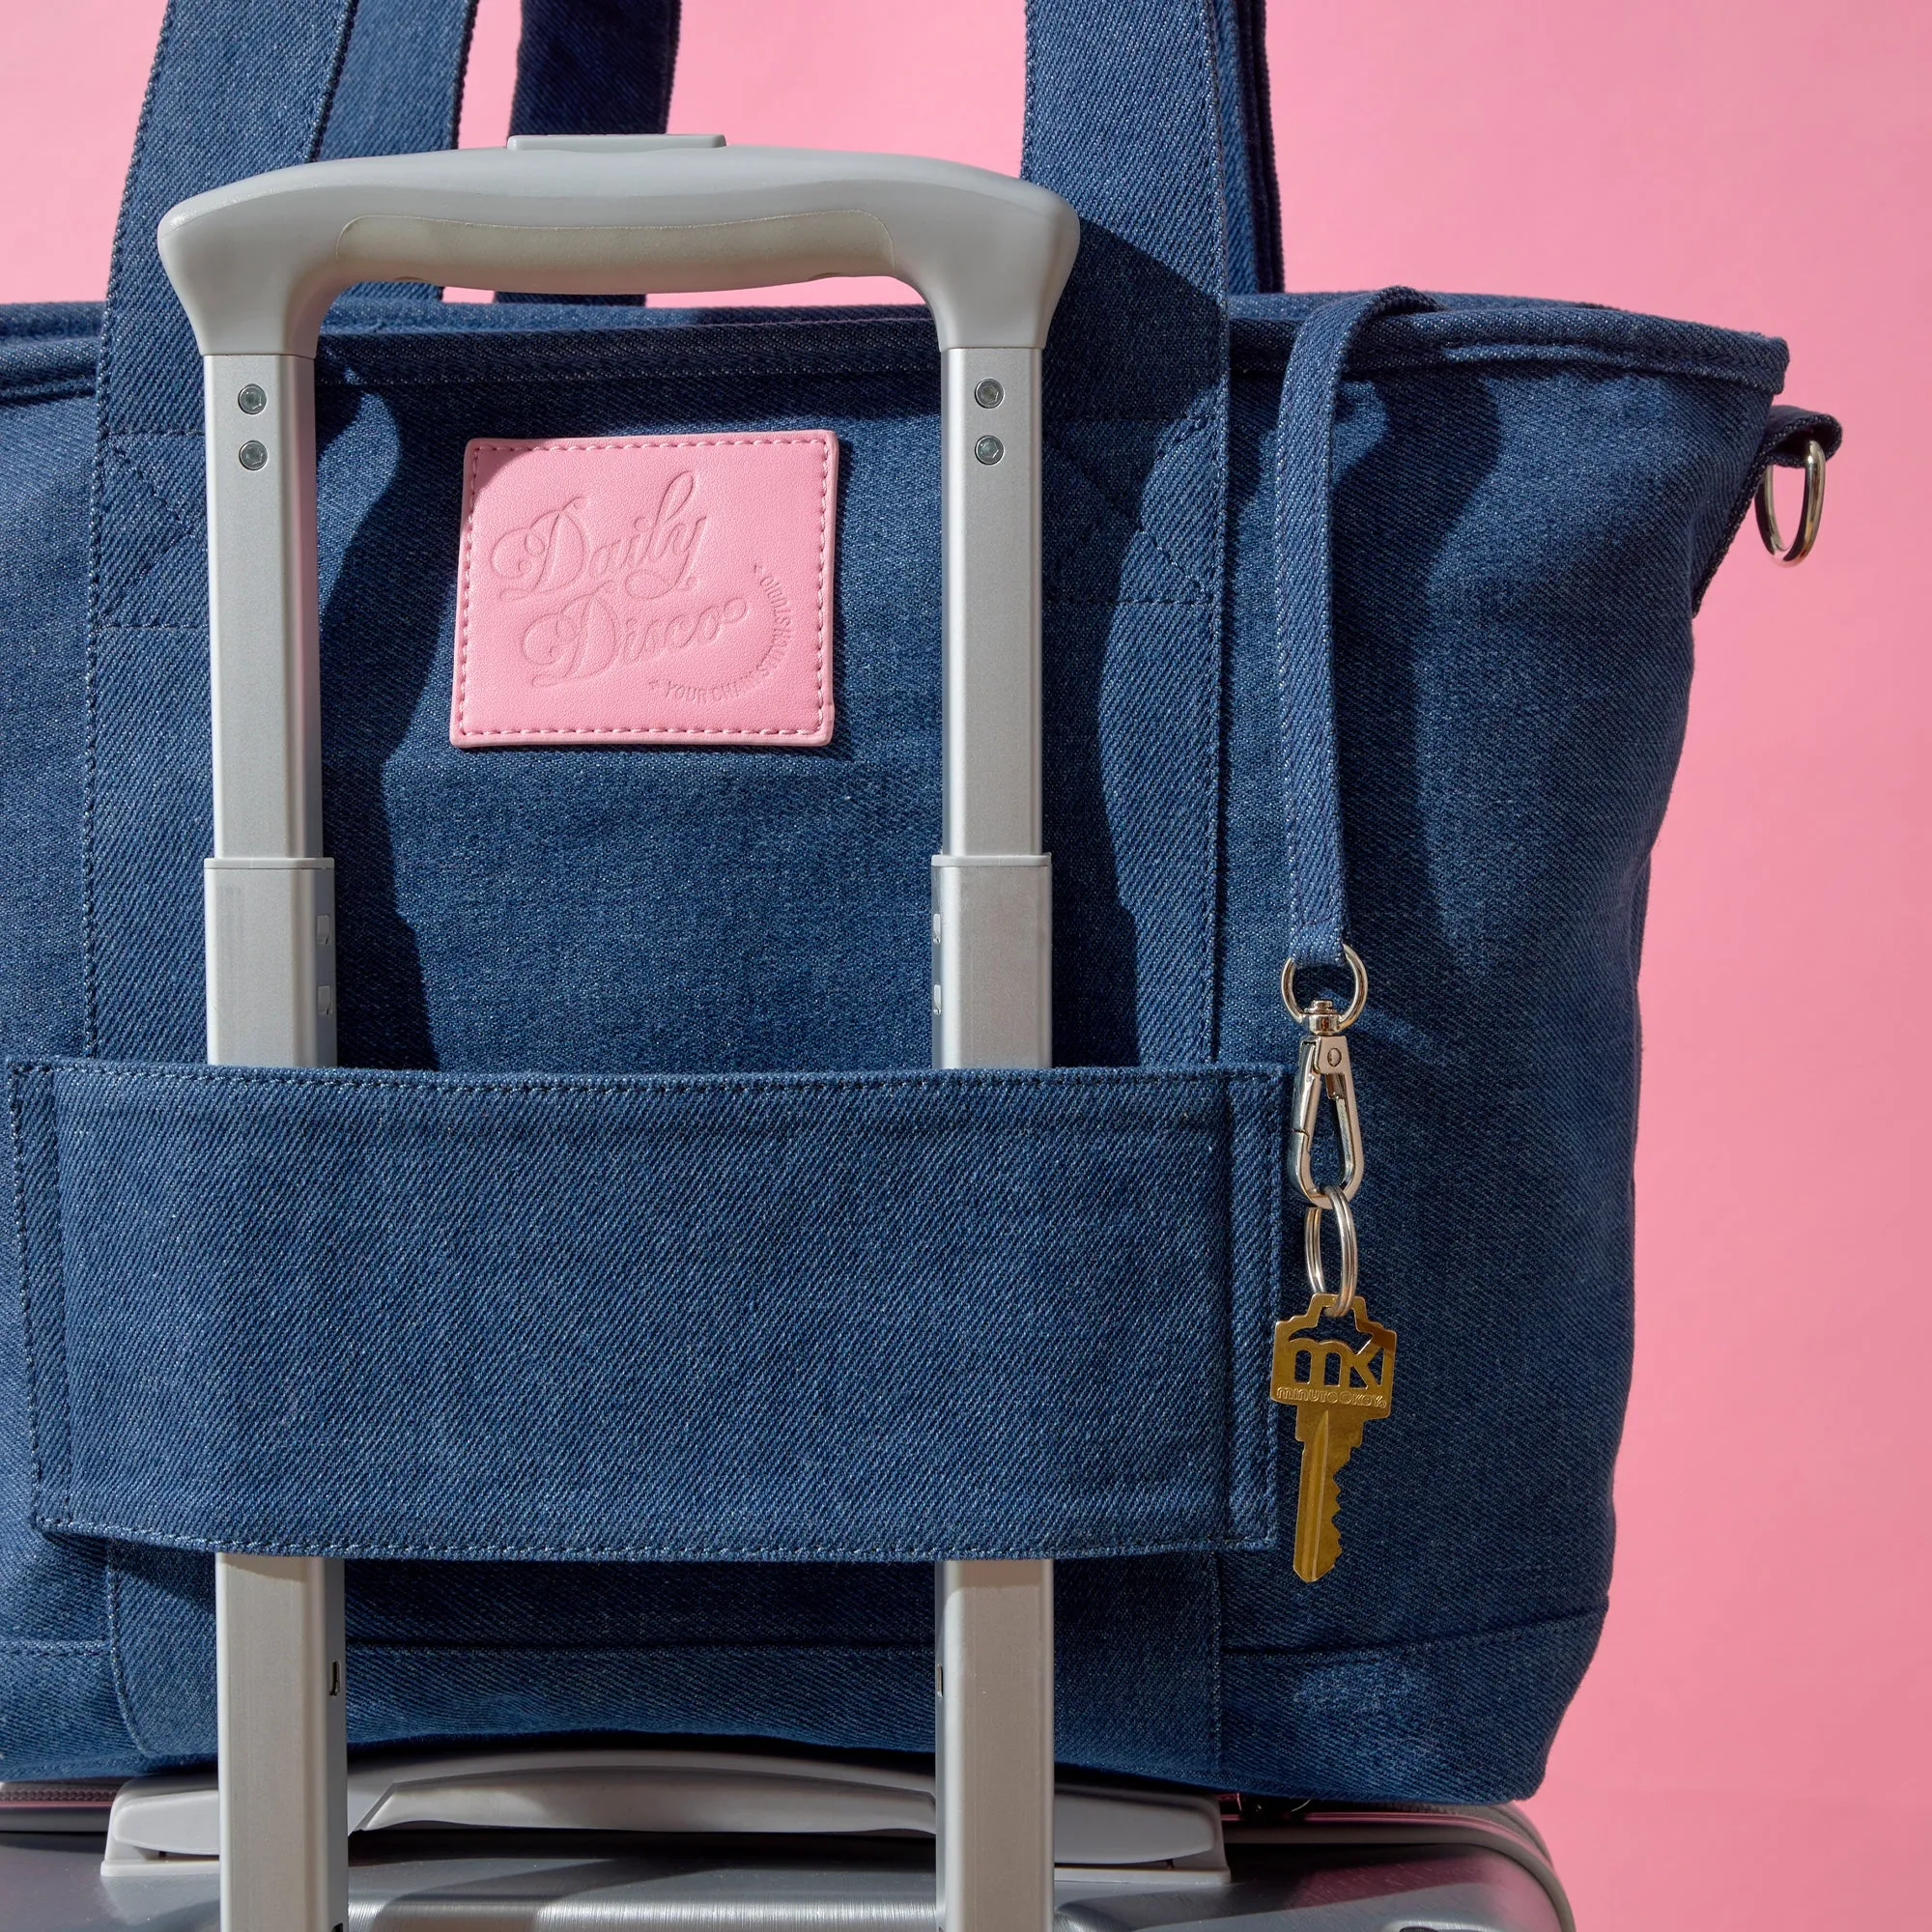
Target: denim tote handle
{"x": 1177, "y": 89}
{"x": 1150, "y": 116}
{"x": 583, "y": 67}
{"x": 241, "y": 86}
{"x": 1128, "y": 112}
{"x": 597, "y": 66}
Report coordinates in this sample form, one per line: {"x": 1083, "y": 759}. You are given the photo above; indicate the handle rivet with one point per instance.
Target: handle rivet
{"x": 989, "y": 395}
{"x": 989, "y": 449}
{"x": 251, "y": 399}
{"x": 253, "y": 455}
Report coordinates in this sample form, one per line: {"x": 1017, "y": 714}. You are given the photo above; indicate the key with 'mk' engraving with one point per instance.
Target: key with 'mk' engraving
{"x": 1335, "y": 1390}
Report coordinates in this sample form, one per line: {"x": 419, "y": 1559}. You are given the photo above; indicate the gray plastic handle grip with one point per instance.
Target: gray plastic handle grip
{"x": 257, "y": 263}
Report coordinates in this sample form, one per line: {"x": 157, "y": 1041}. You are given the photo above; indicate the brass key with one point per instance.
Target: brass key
{"x": 1336, "y": 1391}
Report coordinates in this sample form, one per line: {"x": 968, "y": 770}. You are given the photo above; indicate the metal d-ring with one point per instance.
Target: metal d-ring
{"x": 1335, "y": 1203}
{"x": 1358, "y": 996}
{"x": 1809, "y": 518}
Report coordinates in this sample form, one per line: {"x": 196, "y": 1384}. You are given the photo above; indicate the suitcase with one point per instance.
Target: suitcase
{"x": 1272, "y": 1866}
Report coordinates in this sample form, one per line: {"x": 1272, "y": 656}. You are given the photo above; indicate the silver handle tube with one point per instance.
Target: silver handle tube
{"x": 992, "y": 1006}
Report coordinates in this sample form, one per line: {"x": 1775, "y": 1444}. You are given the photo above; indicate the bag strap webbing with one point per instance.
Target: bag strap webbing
{"x": 1317, "y": 907}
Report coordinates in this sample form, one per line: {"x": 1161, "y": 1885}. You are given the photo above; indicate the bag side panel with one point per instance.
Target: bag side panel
{"x": 1519, "y": 542}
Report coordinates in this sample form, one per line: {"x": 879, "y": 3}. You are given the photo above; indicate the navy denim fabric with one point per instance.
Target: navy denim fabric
{"x": 1304, "y": 593}
{"x": 1527, "y": 500}
{"x": 420, "y": 1314}
{"x": 595, "y": 66}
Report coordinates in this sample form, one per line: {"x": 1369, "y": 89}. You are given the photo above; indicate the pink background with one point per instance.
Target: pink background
{"x": 1753, "y": 1747}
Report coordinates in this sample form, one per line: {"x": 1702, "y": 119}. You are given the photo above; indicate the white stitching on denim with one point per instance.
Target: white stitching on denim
{"x": 16, "y": 1115}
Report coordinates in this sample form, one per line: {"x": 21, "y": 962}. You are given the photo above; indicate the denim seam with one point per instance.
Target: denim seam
{"x": 1741, "y": 503}
{"x": 128, "y": 586}
{"x": 1283, "y": 752}
{"x": 1277, "y": 1186}
{"x": 1233, "y": 1474}
{"x": 1208, "y": 701}
{"x": 61, "y": 1395}
{"x": 750, "y": 320}
{"x": 1183, "y": 434}
{"x": 1473, "y": 354}
{"x": 319, "y": 1079}
{"x": 1203, "y": 100}
{"x": 53, "y": 1646}
{"x": 680, "y": 357}
{"x": 332, "y": 373}
{"x": 320, "y": 132}
{"x": 91, "y": 680}
{"x": 827, "y": 315}
{"x": 124, "y": 1693}
{"x": 1237, "y": 1475}
{"x": 1436, "y": 1640}
{"x": 1215, "y": 1589}
{"x": 470, "y": 1647}
{"x": 635, "y": 1553}
{"x": 1183, "y": 427}
{"x": 634, "y": 368}
{"x": 18, "y": 1116}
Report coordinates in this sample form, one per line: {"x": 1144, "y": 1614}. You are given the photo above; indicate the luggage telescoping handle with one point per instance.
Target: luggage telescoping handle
{"x": 256, "y": 265}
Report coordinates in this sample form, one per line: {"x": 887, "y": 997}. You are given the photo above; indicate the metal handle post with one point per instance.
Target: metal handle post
{"x": 270, "y": 934}
{"x": 991, "y": 995}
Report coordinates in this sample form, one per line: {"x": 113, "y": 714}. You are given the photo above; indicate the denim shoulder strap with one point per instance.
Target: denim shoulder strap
{"x": 1304, "y": 589}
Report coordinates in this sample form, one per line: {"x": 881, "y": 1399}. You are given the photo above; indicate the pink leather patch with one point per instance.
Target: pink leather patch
{"x": 646, "y": 590}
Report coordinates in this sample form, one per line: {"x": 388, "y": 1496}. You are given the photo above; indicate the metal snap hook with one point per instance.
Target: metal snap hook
{"x": 1323, "y": 1072}
{"x": 1809, "y": 518}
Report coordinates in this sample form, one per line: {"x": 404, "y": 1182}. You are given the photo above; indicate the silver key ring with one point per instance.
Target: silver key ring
{"x": 1335, "y": 1203}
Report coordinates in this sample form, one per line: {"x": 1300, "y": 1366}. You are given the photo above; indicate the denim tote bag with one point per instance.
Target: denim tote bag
{"x": 633, "y": 1308}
